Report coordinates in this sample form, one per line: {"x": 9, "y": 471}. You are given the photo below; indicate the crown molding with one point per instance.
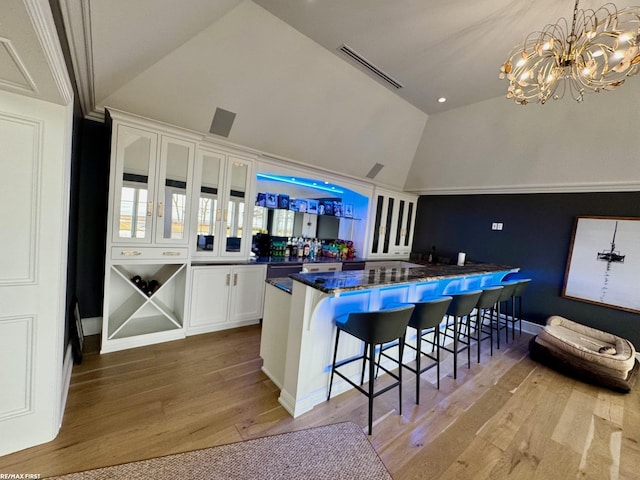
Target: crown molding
{"x": 45, "y": 29}
{"x": 77, "y": 22}
{"x": 587, "y": 187}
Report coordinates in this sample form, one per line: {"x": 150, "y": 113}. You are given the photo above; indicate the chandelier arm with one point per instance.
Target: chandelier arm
{"x": 599, "y": 51}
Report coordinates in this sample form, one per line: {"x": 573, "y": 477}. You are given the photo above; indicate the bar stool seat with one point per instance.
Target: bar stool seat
{"x": 461, "y": 306}
{"x": 487, "y": 301}
{"x": 374, "y": 328}
{"x": 505, "y": 297}
{"x": 516, "y": 298}
{"x": 426, "y": 319}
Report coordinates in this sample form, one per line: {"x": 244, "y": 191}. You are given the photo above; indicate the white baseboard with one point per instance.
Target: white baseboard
{"x": 531, "y": 328}
{"x": 67, "y": 368}
{"x": 92, "y": 326}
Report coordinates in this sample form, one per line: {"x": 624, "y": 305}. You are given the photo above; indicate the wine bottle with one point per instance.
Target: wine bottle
{"x": 136, "y": 279}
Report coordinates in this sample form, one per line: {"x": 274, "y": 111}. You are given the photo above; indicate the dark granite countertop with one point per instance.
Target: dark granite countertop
{"x": 334, "y": 282}
{"x": 283, "y": 283}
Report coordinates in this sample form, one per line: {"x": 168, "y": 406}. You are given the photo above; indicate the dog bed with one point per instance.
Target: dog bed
{"x": 586, "y": 353}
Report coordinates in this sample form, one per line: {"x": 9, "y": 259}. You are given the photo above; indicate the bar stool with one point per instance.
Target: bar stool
{"x": 487, "y": 301}
{"x": 373, "y": 328}
{"x": 519, "y": 289}
{"x": 426, "y": 319}
{"x": 460, "y": 308}
{"x": 505, "y": 296}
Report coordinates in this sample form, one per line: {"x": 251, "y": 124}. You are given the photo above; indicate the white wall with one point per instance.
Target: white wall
{"x": 292, "y": 97}
{"x": 498, "y": 146}
{"x": 34, "y": 210}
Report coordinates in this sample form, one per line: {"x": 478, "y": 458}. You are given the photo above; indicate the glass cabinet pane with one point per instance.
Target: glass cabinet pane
{"x": 136, "y": 151}
{"x": 376, "y": 224}
{"x": 407, "y": 230}
{"x": 208, "y": 204}
{"x": 388, "y": 223}
{"x": 235, "y": 208}
{"x": 172, "y": 206}
{"x": 400, "y": 225}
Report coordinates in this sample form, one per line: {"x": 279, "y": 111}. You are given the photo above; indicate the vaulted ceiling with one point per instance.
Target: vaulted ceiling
{"x": 276, "y": 64}
{"x": 435, "y": 48}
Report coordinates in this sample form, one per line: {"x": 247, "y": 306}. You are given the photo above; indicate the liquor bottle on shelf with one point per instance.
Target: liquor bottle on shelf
{"x": 136, "y": 279}
{"x": 313, "y": 249}
{"x": 307, "y": 249}
{"x": 300, "y": 247}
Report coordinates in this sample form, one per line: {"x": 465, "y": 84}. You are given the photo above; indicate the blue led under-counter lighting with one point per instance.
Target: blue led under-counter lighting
{"x": 303, "y": 182}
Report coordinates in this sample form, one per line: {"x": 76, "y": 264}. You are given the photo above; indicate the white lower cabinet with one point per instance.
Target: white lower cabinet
{"x": 134, "y": 317}
{"x": 225, "y": 297}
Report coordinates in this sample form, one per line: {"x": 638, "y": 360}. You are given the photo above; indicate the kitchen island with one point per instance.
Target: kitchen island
{"x": 298, "y": 327}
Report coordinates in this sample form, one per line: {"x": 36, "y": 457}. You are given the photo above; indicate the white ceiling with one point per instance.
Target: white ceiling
{"x": 435, "y": 48}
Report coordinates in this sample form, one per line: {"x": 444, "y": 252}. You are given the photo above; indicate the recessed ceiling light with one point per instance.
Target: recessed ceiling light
{"x": 442, "y": 100}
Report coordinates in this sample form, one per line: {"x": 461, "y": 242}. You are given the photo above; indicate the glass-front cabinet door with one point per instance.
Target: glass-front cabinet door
{"x": 134, "y": 187}
{"x": 393, "y": 224}
{"x": 222, "y": 210}
{"x": 174, "y": 188}
{"x": 208, "y": 173}
{"x": 237, "y": 207}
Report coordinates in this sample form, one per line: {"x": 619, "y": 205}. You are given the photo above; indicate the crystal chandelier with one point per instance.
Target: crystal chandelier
{"x": 598, "y": 53}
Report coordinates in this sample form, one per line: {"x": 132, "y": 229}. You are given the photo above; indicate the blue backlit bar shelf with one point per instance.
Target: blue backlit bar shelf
{"x": 297, "y": 348}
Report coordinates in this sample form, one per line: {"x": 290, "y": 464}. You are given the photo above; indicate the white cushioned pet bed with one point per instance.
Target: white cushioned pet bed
{"x": 586, "y": 353}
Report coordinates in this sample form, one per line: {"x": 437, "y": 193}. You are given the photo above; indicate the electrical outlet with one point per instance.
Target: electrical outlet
{"x": 499, "y": 226}
{"x": 494, "y": 226}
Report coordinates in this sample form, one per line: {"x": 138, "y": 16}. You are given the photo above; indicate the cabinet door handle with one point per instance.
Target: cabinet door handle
{"x": 226, "y": 215}
{"x": 235, "y": 279}
{"x": 149, "y": 209}
{"x": 160, "y": 208}
{"x": 228, "y": 279}
{"x": 382, "y": 229}
{"x": 218, "y": 215}
{"x": 130, "y": 253}
{"x": 171, "y": 254}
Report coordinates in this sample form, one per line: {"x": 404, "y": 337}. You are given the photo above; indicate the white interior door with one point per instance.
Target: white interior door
{"x": 34, "y": 184}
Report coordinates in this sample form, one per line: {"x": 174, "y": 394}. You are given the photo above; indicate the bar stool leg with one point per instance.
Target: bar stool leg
{"x": 436, "y": 341}
{"x": 364, "y": 362}
{"x": 418, "y": 355}
{"x": 455, "y": 347}
{"x": 400, "y": 353}
{"x": 333, "y": 366}
{"x": 372, "y": 351}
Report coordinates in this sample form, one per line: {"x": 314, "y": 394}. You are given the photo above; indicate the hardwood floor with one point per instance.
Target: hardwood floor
{"x": 507, "y": 417}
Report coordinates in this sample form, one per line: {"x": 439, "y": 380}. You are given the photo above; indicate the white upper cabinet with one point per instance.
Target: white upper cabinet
{"x": 151, "y": 186}
{"x": 222, "y": 204}
{"x": 393, "y": 218}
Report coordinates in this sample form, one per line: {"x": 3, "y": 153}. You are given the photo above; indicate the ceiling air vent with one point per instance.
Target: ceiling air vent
{"x": 374, "y": 170}
{"x": 370, "y": 67}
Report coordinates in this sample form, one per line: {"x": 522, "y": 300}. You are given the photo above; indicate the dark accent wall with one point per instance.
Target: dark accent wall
{"x": 93, "y": 192}
{"x": 536, "y": 237}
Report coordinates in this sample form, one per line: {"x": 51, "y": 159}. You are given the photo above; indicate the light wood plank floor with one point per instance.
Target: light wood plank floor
{"x": 507, "y": 417}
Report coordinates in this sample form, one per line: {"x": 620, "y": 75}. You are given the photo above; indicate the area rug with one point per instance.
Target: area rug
{"x": 339, "y": 451}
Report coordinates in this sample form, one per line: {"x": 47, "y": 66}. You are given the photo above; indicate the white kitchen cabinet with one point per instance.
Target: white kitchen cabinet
{"x": 135, "y": 317}
{"x": 222, "y": 204}
{"x": 148, "y": 232}
{"x": 321, "y": 267}
{"x": 393, "y": 215}
{"x": 150, "y": 186}
{"x": 225, "y": 296}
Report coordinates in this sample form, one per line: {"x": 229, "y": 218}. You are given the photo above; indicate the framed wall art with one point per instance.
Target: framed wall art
{"x": 604, "y": 262}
